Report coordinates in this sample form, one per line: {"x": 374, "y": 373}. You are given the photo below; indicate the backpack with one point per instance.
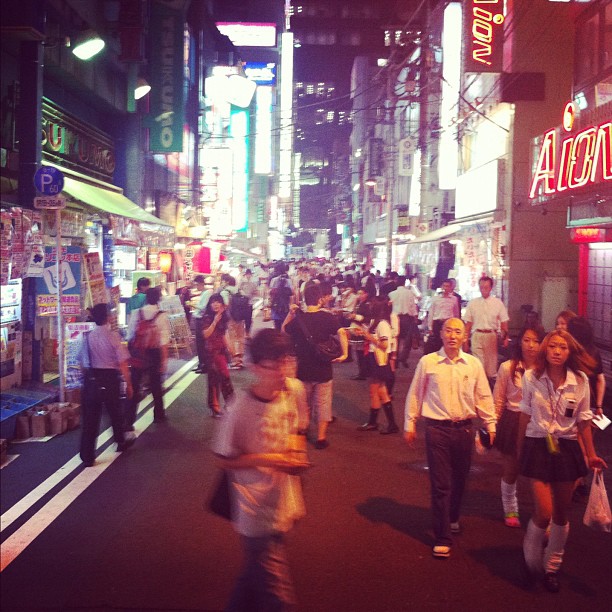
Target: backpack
{"x": 281, "y": 299}
{"x": 147, "y": 337}
{"x": 239, "y": 306}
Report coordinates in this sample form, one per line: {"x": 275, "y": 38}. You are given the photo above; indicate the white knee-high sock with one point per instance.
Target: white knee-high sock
{"x": 508, "y": 495}
{"x": 532, "y": 547}
{"x": 553, "y": 553}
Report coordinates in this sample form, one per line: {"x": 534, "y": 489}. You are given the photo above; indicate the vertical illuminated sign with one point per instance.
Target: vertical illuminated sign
{"x": 286, "y": 116}
{"x": 483, "y": 35}
{"x": 263, "y": 130}
{"x": 451, "y": 84}
{"x": 239, "y": 129}
{"x": 166, "y": 98}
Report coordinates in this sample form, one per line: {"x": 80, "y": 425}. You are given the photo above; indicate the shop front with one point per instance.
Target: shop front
{"x": 572, "y": 165}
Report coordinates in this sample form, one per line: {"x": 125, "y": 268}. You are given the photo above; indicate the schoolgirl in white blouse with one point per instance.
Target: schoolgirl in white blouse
{"x": 555, "y": 411}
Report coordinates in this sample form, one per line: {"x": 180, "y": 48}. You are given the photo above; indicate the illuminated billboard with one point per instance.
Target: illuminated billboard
{"x": 572, "y": 160}
{"x": 483, "y": 35}
{"x": 261, "y": 73}
{"x": 239, "y": 132}
{"x": 249, "y": 34}
{"x": 263, "y": 130}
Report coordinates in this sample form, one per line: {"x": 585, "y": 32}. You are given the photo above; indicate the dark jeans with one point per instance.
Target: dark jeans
{"x": 408, "y": 329}
{"x": 219, "y": 382}
{"x": 101, "y": 388}
{"x": 203, "y": 357}
{"x": 449, "y": 456}
{"x": 248, "y": 321}
{"x": 264, "y": 582}
{"x": 155, "y": 386}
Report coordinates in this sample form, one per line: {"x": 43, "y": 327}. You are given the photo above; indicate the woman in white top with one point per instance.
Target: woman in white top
{"x": 379, "y": 337}
{"x": 507, "y": 396}
{"x": 555, "y": 411}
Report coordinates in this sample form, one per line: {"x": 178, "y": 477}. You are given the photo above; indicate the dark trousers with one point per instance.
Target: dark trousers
{"x": 101, "y": 388}
{"x": 155, "y": 386}
{"x": 201, "y": 344}
{"x": 219, "y": 382}
{"x": 248, "y": 321}
{"x": 264, "y": 582}
{"x": 434, "y": 342}
{"x": 407, "y": 330}
{"x": 449, "y": 456}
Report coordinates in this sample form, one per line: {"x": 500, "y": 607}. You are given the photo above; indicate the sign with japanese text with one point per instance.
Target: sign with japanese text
{"x": 69, "y": 278}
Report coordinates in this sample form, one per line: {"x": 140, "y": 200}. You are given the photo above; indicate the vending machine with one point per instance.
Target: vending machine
{"x": 10, "y": 335}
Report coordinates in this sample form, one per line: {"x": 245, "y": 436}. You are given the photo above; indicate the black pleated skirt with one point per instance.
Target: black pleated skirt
{"x": 566, "y": 466}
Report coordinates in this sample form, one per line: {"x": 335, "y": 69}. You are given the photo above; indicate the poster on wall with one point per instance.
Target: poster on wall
{"x": 69, "y": 278}
{"x": 97, "y": 293}
{"x": 74, "y": 337}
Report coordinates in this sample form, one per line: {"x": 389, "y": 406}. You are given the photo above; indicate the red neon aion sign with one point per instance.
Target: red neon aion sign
{"x": 483, "y": 35}
{"x": 578, "y": 160}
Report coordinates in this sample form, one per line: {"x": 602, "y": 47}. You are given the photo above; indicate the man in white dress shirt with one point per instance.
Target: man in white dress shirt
{"x": 443, "y": 306}
{"x": 484, "y": 316}
{"x": 448, "y": 390}
{"x": 404, "y": 304}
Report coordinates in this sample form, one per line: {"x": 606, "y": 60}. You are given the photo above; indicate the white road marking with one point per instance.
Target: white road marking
{"x": 143, "y": 422}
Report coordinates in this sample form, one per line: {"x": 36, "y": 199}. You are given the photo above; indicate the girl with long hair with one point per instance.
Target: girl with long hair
{"x": 507, "y": 396}
{"x": 379, "y": 335}
{"x": 216, "y": 320}
{"x": 555, "y": 410}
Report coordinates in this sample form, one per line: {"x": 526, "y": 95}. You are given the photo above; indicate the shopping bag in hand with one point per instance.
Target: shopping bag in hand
{"x": 597, "y": 514}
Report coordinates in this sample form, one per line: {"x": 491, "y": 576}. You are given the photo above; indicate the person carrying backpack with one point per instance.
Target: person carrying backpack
{"x": 280, "y": 299}
{"x": 148, "y": 338}
{"x": 234, "y": 302}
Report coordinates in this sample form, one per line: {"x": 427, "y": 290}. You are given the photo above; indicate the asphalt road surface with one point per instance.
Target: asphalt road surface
{"x": 131, "y": 533}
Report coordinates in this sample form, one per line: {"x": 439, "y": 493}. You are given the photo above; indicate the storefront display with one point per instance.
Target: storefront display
{"x": 10, "y": 334}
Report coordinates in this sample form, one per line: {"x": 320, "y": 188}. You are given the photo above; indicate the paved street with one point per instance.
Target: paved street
{"x": 131, "y": 533}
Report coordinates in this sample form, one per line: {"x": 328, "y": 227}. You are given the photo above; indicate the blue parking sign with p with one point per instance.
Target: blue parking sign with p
{"x": 49, "y": 181}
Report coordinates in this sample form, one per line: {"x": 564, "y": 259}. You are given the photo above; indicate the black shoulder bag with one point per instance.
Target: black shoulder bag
{"x": 325, "y": 350}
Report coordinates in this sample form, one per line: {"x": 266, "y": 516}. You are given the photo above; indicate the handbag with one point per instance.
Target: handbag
{"x": 597, "y": 514}
{"x": 485, "y": 438}
{"x": 326, "y": 350}
{"x": 219, "y": 501}
{"x": 267, "y": 314}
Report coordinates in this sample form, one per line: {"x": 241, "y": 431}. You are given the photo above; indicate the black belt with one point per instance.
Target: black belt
{"x": 448, "y": 422}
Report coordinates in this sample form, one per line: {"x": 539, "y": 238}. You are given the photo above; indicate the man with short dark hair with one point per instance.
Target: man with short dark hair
{"x": 259, "y": 445}
{"x": 157, "y": 358}
{"x": 316, "y": 374}
{"x": 448, "y": 390}
{"x": 139, "y": 299}
{"x": 484, "y": 317}
{"x": 198, "y": 314}
{"x": 103, "y": 358}
{"x": 443, "y": 306}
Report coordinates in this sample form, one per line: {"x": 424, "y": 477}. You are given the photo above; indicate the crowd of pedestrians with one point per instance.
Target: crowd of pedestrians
{"x": 535, "y": 408}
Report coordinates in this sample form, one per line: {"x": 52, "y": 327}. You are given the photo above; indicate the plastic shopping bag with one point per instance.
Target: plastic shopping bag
{"x": 597, "y": 514}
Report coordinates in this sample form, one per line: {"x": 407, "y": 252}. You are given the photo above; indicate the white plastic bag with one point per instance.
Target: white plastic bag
{"x": 597, "y": 514}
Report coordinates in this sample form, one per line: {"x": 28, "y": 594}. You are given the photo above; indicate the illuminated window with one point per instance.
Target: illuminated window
{"x": 330, "y": 116}
{"x": 310, "y": 89}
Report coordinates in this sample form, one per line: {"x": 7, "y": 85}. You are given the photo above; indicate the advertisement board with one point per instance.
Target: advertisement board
{"x": 69, "y": 277}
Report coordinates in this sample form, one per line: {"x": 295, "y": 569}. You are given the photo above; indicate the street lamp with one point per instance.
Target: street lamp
{"x": 88, "y": 44}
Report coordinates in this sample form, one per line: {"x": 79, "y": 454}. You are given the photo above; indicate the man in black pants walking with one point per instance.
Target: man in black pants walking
{"x": 103, "y": 358}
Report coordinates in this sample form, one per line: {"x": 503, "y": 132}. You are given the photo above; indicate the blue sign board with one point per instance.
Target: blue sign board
{"x": 261, "y": 73}
{"x": 49, "y": 181}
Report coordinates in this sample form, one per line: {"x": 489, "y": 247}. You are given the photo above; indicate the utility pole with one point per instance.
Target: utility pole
{"x": 424, "y": 118}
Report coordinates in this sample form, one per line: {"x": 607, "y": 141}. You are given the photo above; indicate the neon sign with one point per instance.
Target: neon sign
{"x": 580, "y": 159}
{"x": 483, "y": 34}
